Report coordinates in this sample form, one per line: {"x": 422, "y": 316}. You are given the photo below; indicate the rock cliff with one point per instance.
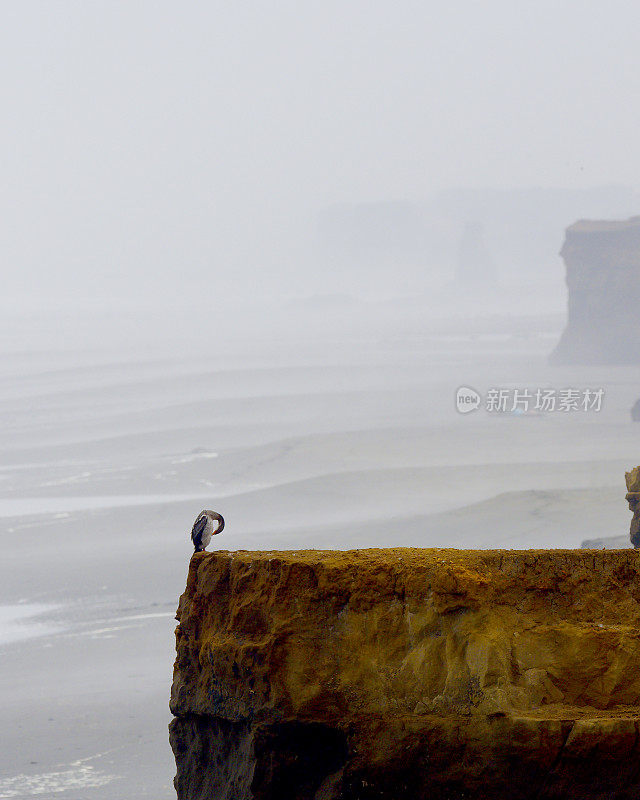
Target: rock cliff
{"x": 603, "y": 282}
{"x": 401, "y": 673}
{"x": 633, "y": 497}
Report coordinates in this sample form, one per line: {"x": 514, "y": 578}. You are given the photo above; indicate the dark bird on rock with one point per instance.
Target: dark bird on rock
{"x": 203, "y": 528}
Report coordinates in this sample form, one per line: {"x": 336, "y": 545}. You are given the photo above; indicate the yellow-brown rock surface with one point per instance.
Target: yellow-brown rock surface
{"x": 440, "y": 674}
{"x": 633, "y": 497}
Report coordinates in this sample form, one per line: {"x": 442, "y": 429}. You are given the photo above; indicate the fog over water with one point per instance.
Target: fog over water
{"x": 250, "y": 253}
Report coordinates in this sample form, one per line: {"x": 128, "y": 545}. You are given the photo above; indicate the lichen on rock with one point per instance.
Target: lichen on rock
{"x": 408, "y": 673}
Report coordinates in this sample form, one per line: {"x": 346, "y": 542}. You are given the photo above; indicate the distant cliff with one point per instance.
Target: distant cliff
{"x": 603, "y": 282}
{"x": 403, "y": 673}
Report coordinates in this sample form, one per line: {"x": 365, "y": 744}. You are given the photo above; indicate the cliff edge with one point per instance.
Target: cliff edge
{"x": 603, "y": 284}
{"x": 405, "y": 673}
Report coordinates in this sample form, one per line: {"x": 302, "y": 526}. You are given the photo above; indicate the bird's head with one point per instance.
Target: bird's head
{"x": 215, "y": 517}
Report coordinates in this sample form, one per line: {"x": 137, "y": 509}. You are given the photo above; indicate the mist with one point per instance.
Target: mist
{"x": 252, "y": 253}
{"x": 158, "y": 156}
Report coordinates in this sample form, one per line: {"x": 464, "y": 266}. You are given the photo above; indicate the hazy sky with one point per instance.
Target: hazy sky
{"x": 196, "y": 141}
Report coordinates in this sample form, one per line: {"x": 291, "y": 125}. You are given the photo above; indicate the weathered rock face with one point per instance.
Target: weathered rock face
{"x": 633, "y": 496}
{"x": 402, "y": 673}
{"x": 603, "y": 281}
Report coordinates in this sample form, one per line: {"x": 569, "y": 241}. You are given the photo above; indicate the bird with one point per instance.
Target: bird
{"x": 203, "y": 528}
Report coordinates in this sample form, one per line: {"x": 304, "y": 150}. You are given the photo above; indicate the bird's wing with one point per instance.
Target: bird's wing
{"x": 198, "y": 529}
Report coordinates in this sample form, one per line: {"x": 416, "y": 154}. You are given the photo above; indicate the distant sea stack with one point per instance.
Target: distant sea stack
{"x": 407, "y": 674}
{"x": 603, "y": 280}
{"x": 475, "y": 267}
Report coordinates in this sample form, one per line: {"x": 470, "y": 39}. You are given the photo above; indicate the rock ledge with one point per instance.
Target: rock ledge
{"x": 440, "y": 674}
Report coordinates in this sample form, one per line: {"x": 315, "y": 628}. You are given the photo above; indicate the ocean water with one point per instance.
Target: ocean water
{"x": 26, "y": 621}
{"x": 107, "y": 458}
